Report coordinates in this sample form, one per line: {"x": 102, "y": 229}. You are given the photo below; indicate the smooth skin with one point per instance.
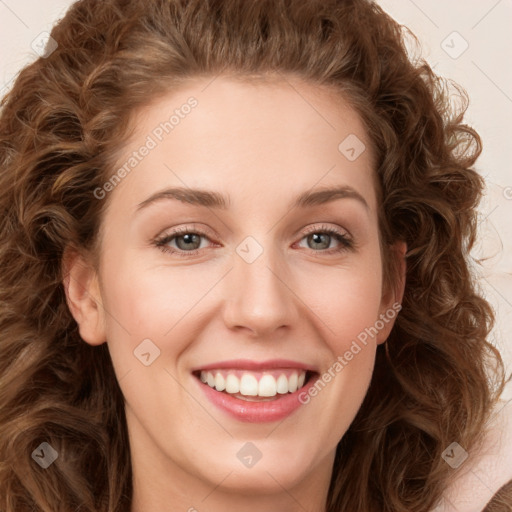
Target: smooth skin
{"x": 303, "y": 298}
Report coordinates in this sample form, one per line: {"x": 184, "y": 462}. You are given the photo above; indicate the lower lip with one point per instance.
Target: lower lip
{"x": 256, "y": 412}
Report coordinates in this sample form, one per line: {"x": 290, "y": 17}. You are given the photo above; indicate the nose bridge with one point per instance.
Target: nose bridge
{"x": 258, "y": 297}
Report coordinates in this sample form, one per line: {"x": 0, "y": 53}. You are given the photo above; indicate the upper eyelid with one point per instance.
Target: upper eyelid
{"x": 204, "y": 232}
{"x": 323, "y": 227}
{"x": 188, "y": 229}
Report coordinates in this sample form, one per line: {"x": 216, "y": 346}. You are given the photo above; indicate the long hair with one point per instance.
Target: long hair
{"x": 436, "y": 378}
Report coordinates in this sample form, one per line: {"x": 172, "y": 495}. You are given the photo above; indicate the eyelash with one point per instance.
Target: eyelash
{"x": 161, "y": 243}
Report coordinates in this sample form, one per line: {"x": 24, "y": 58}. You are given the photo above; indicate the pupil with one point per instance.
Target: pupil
{"x": 317, "y": 239}
{"x": 188, "y": 239}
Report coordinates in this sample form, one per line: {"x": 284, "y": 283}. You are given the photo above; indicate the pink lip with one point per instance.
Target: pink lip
{"x": 255, "y": 412}
{"x": 248, "y": 364}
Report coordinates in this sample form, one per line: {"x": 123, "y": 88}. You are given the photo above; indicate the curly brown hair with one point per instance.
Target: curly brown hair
{"x": 436, "y": 378}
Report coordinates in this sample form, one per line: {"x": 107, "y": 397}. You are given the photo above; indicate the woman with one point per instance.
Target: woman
{"x": 235, "y": 265}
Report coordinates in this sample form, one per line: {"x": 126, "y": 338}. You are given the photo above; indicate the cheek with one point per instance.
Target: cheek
{"x": 152, "y": 303}
{"x": 347, "y": 312}
{"x": 345, "y": 301}
{"x": 346, "y": 304}
{"x": 162, "y": 305}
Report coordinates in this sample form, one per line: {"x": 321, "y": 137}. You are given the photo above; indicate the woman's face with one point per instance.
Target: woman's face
{"x": 250, "y": 276}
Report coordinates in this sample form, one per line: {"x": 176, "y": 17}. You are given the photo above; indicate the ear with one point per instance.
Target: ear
{"x": 83, "y": 297}
{"x": 391, "y": 302}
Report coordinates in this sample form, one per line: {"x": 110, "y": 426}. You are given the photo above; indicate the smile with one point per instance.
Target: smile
{"x": 254, "y": 384}
{"x": 255, "y": 392}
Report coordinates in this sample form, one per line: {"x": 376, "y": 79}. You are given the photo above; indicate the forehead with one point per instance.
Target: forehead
{"x": 252, "y": 136}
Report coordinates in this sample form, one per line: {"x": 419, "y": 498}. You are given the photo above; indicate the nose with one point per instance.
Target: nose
{"x": 260, "y": 296}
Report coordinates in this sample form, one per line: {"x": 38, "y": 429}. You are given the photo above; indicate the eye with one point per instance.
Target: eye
{"x": 320, "y": 238}
{"x": 187, "y": 241}
{"x": 182, "y": 241}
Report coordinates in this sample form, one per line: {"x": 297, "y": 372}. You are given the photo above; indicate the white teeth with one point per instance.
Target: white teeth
{"x": 220, "y": 383}
{"x": 267, "y": 386}
{"x": 248, "y": 385}
{"x": 292, "y": 383}
{"x": 232, "y": 384}
{"x": 282, "y": 384}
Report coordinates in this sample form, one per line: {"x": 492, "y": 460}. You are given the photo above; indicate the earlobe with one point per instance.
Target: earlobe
{"x": 392, "y": 298}
{"x": 83, "y": 297}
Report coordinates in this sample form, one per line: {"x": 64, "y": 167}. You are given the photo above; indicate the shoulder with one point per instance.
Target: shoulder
{"x": 484, "y": 481}
{"x": 502, "y": 500}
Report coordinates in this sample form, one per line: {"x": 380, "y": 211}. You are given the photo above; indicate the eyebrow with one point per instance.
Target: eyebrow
{"x": 211, "y": 199}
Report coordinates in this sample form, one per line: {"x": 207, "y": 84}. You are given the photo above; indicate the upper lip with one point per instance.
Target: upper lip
{"x": 251, "y": 365}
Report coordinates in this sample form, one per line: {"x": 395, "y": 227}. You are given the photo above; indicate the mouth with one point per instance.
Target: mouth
{"x": 255, "y": 386}
{"x": 256, "y": 392}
